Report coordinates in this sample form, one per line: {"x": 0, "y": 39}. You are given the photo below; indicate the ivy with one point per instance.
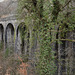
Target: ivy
{"x": 44, "y": 18}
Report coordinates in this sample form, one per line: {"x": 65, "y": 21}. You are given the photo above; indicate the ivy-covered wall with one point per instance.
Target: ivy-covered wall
{"x": 46, "y": 35}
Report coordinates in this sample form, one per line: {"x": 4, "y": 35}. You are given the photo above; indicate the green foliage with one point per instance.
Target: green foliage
{"x": 1, "y": 46}
{"x": 7, "y": 52}
{"x": 41, "y": 17}
{"x": 46, "y": 63}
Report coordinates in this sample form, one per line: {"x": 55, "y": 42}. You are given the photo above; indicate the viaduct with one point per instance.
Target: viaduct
{"x": 10, "y": 29}
{"x": 10, "y": 36}
{"x": 10, "y": 33}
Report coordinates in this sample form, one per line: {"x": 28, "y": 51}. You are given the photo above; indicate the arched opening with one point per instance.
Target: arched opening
{"x": 9, "y": 36}
{"x": 28, "y": 42}
{"x": 1, "y": 33}
{"x": 21, "y": 31}
{"x": 60, "y": 52}
{"x": 1, "y": 36}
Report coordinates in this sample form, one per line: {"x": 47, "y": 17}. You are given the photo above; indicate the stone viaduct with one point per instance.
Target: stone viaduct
{"x": 10, "y": 34}
{"x": 11, "y": 38}
{"x": 10, "y": 29}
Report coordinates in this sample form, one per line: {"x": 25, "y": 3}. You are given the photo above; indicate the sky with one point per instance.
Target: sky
{"x": 1, "y": 0}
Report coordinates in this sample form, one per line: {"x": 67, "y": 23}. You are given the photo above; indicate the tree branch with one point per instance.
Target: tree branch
{"x": 62, "y": 40}
{"x": 66, "y": 40}
{"x": 66, "y": 5}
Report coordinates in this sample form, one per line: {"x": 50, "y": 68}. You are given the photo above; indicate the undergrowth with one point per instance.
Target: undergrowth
{"x": 12, "y": 65}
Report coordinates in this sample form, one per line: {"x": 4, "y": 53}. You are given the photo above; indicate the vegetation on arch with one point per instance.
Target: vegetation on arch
{"x": 47, "y": 19}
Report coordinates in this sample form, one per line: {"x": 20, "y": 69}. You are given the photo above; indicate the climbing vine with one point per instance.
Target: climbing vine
{"x": 44, "y": 18}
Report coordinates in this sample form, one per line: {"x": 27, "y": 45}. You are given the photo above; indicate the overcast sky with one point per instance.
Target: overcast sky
{"x": 1, "y": 0}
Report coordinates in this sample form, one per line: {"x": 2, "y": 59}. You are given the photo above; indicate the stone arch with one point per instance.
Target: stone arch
{"x": 1, "y": 33}
{"x": 21, "y": 27}
{"x": 20, "y": 37}
{"x": 9, "y": 36}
